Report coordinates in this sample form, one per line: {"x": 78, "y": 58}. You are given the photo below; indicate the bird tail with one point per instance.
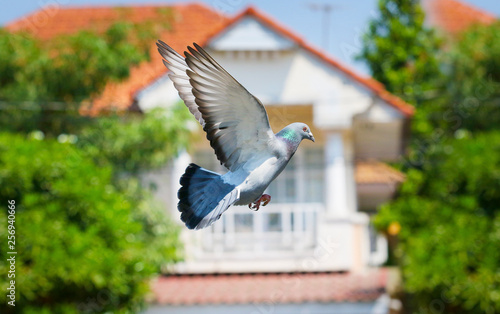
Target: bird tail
{"x": 204, "y": 196}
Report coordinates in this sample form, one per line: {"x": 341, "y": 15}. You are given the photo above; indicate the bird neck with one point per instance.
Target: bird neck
{"x": 291, "y": 140}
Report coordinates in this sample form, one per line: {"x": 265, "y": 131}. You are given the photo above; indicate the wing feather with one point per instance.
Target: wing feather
{"x": 235, "y": 121}
{"x": 177, "y": 66}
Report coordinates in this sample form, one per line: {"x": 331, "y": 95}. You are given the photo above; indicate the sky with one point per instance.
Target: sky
{"x": 340, "y": 34}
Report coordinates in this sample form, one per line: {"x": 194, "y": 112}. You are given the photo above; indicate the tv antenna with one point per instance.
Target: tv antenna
{"x": 326, "y": 9}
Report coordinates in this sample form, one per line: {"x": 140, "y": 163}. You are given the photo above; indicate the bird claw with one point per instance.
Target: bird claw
{"x": 254, "y": 206}
{"x": 263, "y": 200}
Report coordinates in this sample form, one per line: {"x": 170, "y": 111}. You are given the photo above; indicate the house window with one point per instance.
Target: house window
{"x": 243, "y": 222}
{"x": 302, "y": 180}
{"x": 273, "y": 222}
{"x": 373, "y": 238}
{"x": 314, "y": 165}
{"x": 283, "y": 188}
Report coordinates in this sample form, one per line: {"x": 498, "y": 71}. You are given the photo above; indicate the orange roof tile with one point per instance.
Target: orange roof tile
{"x": 263, "y": 288}
{"x": 374, "y": 172}
{"x": 453, "y": 16}
{"x": 191, "y": 23}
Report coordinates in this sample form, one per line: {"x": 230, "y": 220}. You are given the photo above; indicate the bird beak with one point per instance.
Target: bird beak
{"x": 311, "y": 137}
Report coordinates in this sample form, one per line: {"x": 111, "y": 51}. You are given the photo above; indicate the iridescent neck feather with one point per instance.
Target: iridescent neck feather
{"x": 291, "y": 139}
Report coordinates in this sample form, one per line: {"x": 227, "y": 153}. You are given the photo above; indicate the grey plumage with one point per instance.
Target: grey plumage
{"x": 237, "y": 126}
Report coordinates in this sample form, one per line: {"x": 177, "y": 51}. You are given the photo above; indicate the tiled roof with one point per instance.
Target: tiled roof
{"x": 190, "y": 23}
{"x": 373, "y": 172}
{"x": 453, "y": 16}
{"x": 265, "y": 288}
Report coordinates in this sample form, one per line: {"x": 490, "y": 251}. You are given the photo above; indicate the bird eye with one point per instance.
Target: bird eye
{"x": 304, "y": 129}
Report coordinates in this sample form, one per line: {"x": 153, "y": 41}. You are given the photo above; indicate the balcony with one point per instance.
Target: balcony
{"x": 277, "y": 230}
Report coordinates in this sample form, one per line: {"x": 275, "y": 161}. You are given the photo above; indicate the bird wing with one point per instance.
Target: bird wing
{"x": 177, "y": 66}
{"x": 235, "y": 121}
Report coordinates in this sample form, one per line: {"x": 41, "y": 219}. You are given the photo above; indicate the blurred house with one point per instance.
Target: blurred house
{"x": 318, "y": 219}
{"x": 317, "y": 227}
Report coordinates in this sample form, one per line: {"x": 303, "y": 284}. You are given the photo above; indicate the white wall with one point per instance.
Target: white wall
{"x": 161, "y": 93}
{"x": 249, "y": 35}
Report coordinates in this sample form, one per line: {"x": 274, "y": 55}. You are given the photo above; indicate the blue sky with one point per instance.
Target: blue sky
{"x": 347, "y": 20}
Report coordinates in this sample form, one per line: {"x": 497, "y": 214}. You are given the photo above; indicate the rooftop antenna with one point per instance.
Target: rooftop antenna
{"x": 326, "y": 9}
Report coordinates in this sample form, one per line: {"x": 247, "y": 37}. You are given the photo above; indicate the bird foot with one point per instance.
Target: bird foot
{"x": 263, "y": 200}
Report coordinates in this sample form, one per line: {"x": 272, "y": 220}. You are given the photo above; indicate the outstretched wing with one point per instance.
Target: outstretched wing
{"x": 235, "y": 121}
{"x": 177, "y": 66}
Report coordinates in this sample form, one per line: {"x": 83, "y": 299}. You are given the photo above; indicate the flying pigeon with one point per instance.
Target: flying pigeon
{"x": 238, "y": 129}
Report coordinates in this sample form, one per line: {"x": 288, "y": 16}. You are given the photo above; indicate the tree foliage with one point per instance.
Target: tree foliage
{"x": 82, "y": 244}
{"x": 474, "y": 91}
{"x": 42, "y": 83}
{"x": 135, "y": 143}
{"x": 90, "y": 236}
{"x": 448, "y": 209}
{"x": 67, "y": 68}
{"x": 449, "y": 212}
{"x": 400, "y": 52}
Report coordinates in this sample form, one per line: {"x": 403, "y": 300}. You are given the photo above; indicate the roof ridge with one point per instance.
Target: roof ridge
{"x": 369, "y": 82}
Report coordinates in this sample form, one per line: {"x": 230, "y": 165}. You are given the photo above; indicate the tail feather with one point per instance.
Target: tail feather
{"x": 203, "y": 197}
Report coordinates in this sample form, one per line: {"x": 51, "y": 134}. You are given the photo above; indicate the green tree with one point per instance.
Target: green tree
{"x": 67, "y": 68}
{"x": 474, "y": 90}
{"x": 83, "y": 245}
{"x": 90, "y": 235}
{"x": 449, "y": 212}
{"x": 136, "y": 143}
{"x": 448, "y": 208}
{"x": 42, "y": 83}
{"x": 401, "y": 52}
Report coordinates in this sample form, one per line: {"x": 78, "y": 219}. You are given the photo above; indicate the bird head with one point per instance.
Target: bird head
{"x": 303, "y": 131}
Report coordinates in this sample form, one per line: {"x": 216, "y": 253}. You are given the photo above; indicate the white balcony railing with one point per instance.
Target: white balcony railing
{"x": 275, "y": 229}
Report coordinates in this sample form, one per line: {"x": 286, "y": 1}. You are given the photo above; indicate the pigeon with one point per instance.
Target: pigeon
{"x": 237, "y": 126}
